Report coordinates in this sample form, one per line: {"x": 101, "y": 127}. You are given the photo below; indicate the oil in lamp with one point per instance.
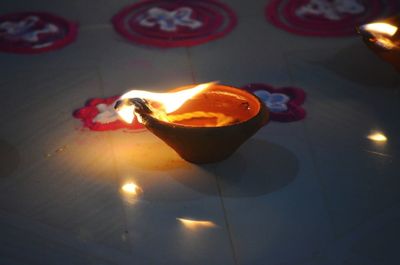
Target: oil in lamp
{"x": 203, "y": 124}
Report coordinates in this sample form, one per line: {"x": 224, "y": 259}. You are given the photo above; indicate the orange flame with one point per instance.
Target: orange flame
{"x": 381, "y": 28}
{"x": 382, "y": 33}
{"x": 170, "y": 101}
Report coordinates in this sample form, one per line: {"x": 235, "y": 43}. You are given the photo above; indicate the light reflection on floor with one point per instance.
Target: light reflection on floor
{"x": 377, "y": 137}
{"x": 196, "y": 224}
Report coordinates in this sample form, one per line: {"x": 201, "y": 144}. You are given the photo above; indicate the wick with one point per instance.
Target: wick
{"x": 140, "y": 104}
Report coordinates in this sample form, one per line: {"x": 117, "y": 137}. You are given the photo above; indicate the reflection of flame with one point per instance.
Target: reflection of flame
{"x": 170, "y": 102}
{"x": 131, "y": 188}
{"x": 377, "y": 137}
{"x": 380, "y": 28}
{"x": 195, "y": 224}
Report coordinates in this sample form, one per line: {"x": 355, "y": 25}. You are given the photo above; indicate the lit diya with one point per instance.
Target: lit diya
{"x": 203, "y": 124}
{"x": 383, "y": 38}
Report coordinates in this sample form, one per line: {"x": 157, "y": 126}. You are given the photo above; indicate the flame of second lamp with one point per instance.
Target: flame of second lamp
{"x": 382, "y": 34}
{"x": 170, "y": 101}
{"x": 381, "y": 28}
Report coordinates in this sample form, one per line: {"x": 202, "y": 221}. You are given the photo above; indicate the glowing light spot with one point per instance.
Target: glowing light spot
{"x": 382, "y": 34}
{"x": 196, "y": 224}
{"x": 377, "y": 137}
{"x": 131, "y": 188}
{"x": 126, "y": 113}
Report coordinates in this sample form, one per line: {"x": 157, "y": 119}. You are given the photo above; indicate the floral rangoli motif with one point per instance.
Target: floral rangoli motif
{"x": 34, "y": 32}
{"x": 174, "y": 23}
{"x": 331, "y": 18}
{"x": 283, "y": 103}
{"x": 169, "y": 20}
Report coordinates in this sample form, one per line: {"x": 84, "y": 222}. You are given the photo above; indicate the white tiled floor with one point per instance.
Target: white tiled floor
{"x": 310, "y": 192}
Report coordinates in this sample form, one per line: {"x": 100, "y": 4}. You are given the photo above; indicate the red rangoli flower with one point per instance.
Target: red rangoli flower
{"x": 98, "y": 114}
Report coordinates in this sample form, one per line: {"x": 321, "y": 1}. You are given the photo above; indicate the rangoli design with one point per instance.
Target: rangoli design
{"x": 34, "y": 32}
{"x": 169, "y": 20}
{"x": 333, "y": 10}
{"x": 326, "y": 17}
{"x": 174, "y": 23}
{"x": 283, "y": 103}
{"x": 99, "y": 115}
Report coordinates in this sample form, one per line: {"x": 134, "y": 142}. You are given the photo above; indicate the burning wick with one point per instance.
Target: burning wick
{"x": 380, "y": 33}
{"x": 136, "y": 102}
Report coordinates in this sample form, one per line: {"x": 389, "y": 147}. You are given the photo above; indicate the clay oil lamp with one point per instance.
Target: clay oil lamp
{"x": 203, "y": 124}
{"x": 383, "y": 38}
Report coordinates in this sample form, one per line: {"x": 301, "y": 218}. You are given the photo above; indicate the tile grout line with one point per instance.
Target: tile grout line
{"x": 355, "y": 228}
{"x": 313, "y": 156}
{"x": 117, "y": 178}
{"x": 232, "y": 245}
{"x": 108, "y": 138}
{"x": 189, "y": 57}
{"x": 101, "y": 82}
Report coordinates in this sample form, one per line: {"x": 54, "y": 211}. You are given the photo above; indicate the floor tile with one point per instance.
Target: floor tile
{"x": 274, "y": 201}
{"x": 363, "y": 173}
{"x": 152, "y": 216}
